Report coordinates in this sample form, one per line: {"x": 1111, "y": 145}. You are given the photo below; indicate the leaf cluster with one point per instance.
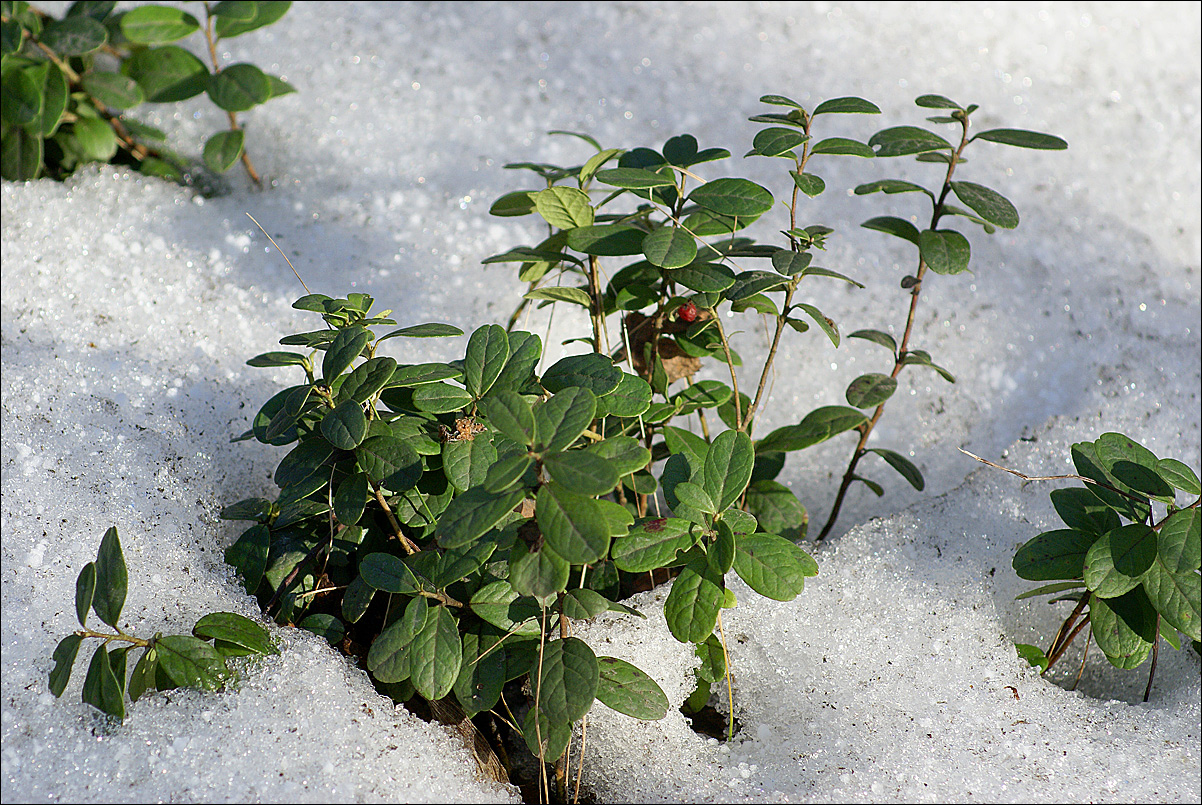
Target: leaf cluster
{"x": 1128, "y": 555}
{"x": 71, "y": 85}
{"x": 196, "y": 660}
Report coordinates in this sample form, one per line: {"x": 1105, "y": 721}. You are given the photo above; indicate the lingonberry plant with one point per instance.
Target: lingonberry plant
{"x": 446, "y": 523}
{"x": 70, "y": 84}
{"x": 166, "y": 662}
{"x": 1128, "y": 558}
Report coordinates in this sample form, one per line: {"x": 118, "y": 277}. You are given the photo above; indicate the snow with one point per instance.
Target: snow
{"x": 129, "y": 307}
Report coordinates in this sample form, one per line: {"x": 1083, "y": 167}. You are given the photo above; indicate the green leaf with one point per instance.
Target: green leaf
{"x": 239, "y": 87}
{"x": 623, "y": 687}
{"x": 844, "y": 147}
{"x": 653, "y": 544}
{"x": 902, "y": 464}
{"x": 540, "y": 572}
{"x": 560, "y": 420}
{"x": 502, "y": 606}
{"x": 776, "y": 508}
{"x": 808, "y": 183}
{"x": 428, "y": 330}
{"x": 357, "y": 599}
{"x": 584, "y": 604}
{"x": 1124, "y": 627}
{"x": 156, "y": 25}
{"x": 670, "y": 247}
{"x": 568, "y": 684}
{"x": 1023, "y": 139}
{"x": 167, "y": 74}
{"x": 772, "y": 566}
{"x": 989, "y": 204}
{"x": 1079, "y": 509}
{"x": 85, "y": 590}
{"x": 1033, "y": 655}
{"x": 346, "y": 347}
{"x": 1053, "y": 555}
{"x": 553, "y": 736}
{"x": 1088, "y": 463}
{"x": 385, "y": 572}
{"x": 101, "y": 688}
{"x": 1050, "y": 589}
{"x": 435, "y": 655}
{"x": 325, "y": 626}
{"x": 1179, "y": 544}
{"x": 191, "y": 663}
{"x": 223, "y": 149}
{"x": 594, "y": 372}
{"x": 248, "y": 555}
{"x": 631, "y": 398}
{"x": 366, "y": 380}
{"x": 635, "y": 178}
{"x": 482, "y": 672}
{"x": 936, "y": 102}
{"x": 266, "y": 12}
{"x": 817, "y": 426}
{"x": 869, "y": 391}
{"x": 850, "y": 105}
{"x": 696, "y": 498}
{"x": 777, "y": 142}
{"x": 458, "y": 564}
{"x": 1134, "y": 465}
{"x": 945, "y": 251}
{"x": 1179, "y": 475}
{"x": 572, "y": 524}
{"x": 112, "y": 579}
{"x": 471, "y": 514}
{"x": 231, "y": 627}
{"x": 64, "y": 659}
{"x": 422, "y": 373}
{"x": 95, "y": 138}
{"x": 607, "y": 240}
{"x": 891, "y": 186}
{"x": 20, "y": 153}
{"x": 75, "y": 36}
{"x": 876, "y": 337}
{"x": 440, "y": 398}
{"x": 466, "y": 462}
{"x": 582, "y": 473}
{"x": 894, "y": 226}
{"x": 487, "y": 352}
{"x": 750, "y": 283}
{"x": 511, "y": 416}
{"x": 574, "y": 296}
{"x": 388, "y": 659}
{"x": 390, "y": 461}
{"x": 734, "y": 197}
{"x": 345, "y": 426}
{"x": 563, "y": 207}
{"x": 54, "y": 101}
{"x": 692, "y": 606}
{"x": 727, "y": 467}
{"x": 22, "y": 97}
{"x": 1174, "y": 588}
{"x": 902, "y": 140}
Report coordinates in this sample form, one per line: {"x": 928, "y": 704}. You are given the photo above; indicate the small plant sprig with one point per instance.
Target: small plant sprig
{"x": 167, "y": 661}
{"x": 1128, "y": 559}
{"x": 941, "y": 250}
{"x": 69, "y": 84}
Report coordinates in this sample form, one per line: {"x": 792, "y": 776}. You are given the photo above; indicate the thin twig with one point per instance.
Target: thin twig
{"x": 281, "y": 251}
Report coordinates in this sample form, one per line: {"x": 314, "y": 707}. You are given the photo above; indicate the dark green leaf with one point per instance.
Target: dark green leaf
{"x": 891, "y": 186}
{"x": 387, "y": 573}
{"x": 487, "y": 352}
{"x": 540, "y": 572}
{"x": 777, "y": 142}
{"x": 790, "y": 262}
{"x": 772, "y": 566}
{"x": 623, "y": 687}
{"x": 594, "y": 372}
{"x": 945, "y": 251}
{"x": 325, "y": 626}
{"x": 631, "y": 398}
{"x": 574, "y": 296}
{"x": 989, "y": 204}
{"x": 1079, "y": 509}
{"x": 653, "y": 544}
{"x": 502, "y": 606}
{"x": 583, "y": 604}
{"x": 101, "y": 688}
{"x": 75, "y": 36}
{"x": 85, "y": 590}
{"x": 223, "y": 149}
{"x": 670, "y": 247}
{"x": 231, "y": 627}
{"x": 817, "y": 426}
{"x": 572, "y": 524}
{"x": 808, "y": 183}
{"x": 167, "y": 74}
{"x": 1050, "y": 589}
{"x": 634, "y": 178}
{"x": 191, "y": 663}
{"x": 568, "y": 683}
{"x": 466, "y": 462}
{"x": 1086, "y": 460}
{"x": 692, "y": 606}
{"x": 1172, "y": 582}
{"x": 849, "y": 105}
{"x": 869, "y": 391}
{"x": 1124, "y": 627}
{"x": 902, "y": 140}
{"x": 388, "y": 659}
{"x": 390, "y": 461}
{"x": 624, "y": 453}
{"x": 607, "y": 240}
{"x": 345, "y": 426}
{"x": 936, "y": 102}
{"x": 727, "y": 467}
{"x": 877, "y": 337}
{"x": 266, "y": 12}
{"x": 750, "y": 283}
{"x": 429, "y": 330}
{"x": 902, "y": 464}
{"x": 482, "y": 672}
{"x": 357, "y": 599}
{"x": 344, "y": 349}
{"x": 546, "y": 739}
{"x": 563, "y": 207}
{"x": 471, "y": 514}
{"x": 776, "y": 508}
{"x": 1033, "y": 655}
{"x": 351, "y": 498}
{"x": 248, "y": 555}
{"x": 95, "y": 138}
{"x": 156, "y": 25}
{"x": 1053, "y": 555}
{"x": 734, "y": 197}
{"x": 64, "y": 659}
{"x": 20, "y": 153}
{"x": 893, "y": 226}
{"x": 844, "y": 147}
{"x": 582, "y": 473}
{"x": 1023, "y": 139}
{"x": 142, "y": 678}
{"x": 511, "y": 416}
{"x": 112, "y": 579}
{"x": 1179, "y": 475}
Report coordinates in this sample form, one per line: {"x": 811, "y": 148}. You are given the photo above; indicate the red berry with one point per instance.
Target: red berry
{"x": 688, "y": 312}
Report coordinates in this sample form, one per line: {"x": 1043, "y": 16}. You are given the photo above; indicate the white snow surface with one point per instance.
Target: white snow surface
{"x": 131, "y": 305}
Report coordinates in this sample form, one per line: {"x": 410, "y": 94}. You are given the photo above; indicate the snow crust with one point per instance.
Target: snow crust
{"x": 129, "y": 307}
